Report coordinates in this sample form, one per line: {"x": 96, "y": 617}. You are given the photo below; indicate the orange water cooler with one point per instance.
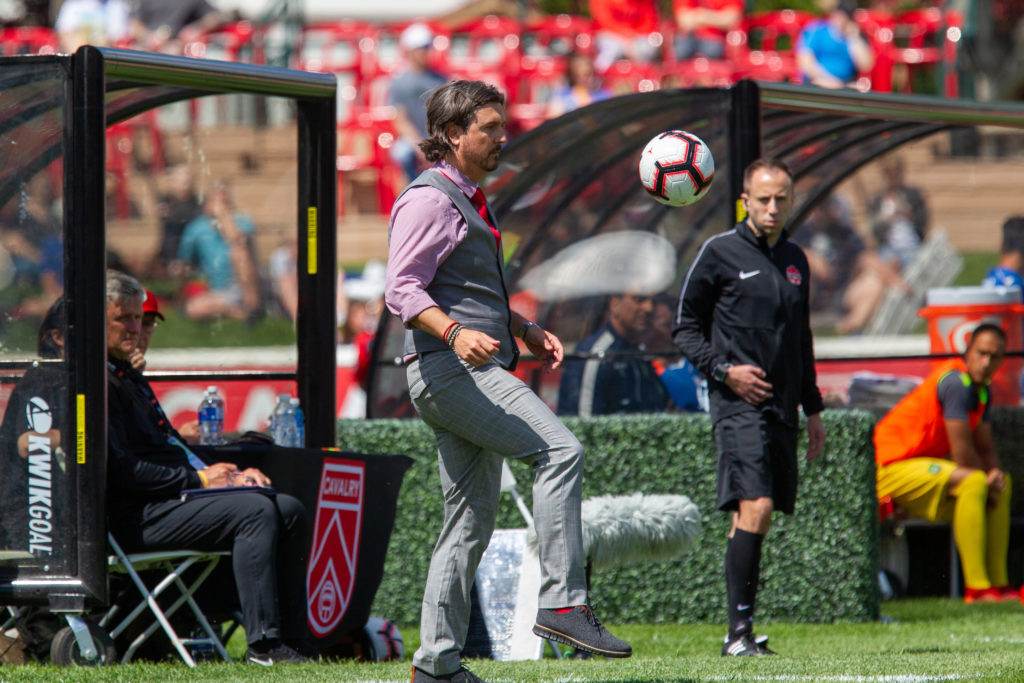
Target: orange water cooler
{"x": 953, "y": 313}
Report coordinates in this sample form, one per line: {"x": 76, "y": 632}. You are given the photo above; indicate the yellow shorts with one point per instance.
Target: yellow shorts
{"x": 918, "y": 485}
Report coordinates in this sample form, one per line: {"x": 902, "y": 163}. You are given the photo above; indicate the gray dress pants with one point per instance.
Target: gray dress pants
{"x": 479, "y": 416}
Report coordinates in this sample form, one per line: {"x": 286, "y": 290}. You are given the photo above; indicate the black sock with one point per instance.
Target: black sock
{"x": 742, "y": 568}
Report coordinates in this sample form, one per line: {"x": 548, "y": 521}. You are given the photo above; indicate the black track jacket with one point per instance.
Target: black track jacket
{"x": 745, "y": 303}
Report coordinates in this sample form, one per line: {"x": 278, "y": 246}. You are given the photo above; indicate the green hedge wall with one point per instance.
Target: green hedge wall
{"x": 818, "y": 565}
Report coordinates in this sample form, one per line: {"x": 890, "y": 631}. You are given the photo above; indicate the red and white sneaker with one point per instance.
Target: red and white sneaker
{"x": 1009, "y": 593}
{"x": 991, "y": 594}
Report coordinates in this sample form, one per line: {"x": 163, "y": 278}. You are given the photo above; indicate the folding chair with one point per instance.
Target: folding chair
{"x": 175, "y": 563}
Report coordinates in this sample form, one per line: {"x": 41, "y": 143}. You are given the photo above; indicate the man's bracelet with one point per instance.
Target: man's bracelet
{"x": 203, "y": 478}
{"x": 526, "y": 328}
{"x": 452, "y": 336}
{"x": 447, "y": 331}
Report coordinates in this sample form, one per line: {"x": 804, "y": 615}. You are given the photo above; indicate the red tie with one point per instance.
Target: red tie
{"x": 480, "y": 202}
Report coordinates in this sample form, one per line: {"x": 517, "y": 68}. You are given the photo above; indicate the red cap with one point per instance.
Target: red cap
{"x": 150, "y": 305}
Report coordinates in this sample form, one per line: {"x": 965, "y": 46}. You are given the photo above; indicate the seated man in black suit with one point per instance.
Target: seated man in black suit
{"x": 150, "y": 465}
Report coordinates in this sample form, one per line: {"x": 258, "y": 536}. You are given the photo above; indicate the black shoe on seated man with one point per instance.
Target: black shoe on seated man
{"x": 271, "y": 651}
{"x": 579, "y": 628}
{"x": 463, "y": 675}
{"x": 305, "y": 647}
{"x": 746, "y": 645}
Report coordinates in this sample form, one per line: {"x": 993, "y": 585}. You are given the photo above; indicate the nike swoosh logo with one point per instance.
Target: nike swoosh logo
{"x": 744, "y": 275}
{"x": 742, "y": 607}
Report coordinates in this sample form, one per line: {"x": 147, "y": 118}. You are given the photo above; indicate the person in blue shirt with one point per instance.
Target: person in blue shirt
{"x": 582, "y": 87}
{"x": 617, "y": 379}
{"x": 218, "y": 242}
{"x": 831, "y": 51}
{"x": 407, "y": 93}
{"x": 1007, "y": 273}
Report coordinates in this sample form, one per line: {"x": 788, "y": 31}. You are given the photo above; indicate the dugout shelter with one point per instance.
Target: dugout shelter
{"x": 55, "y": 112}
{"x": 574, "y": 179}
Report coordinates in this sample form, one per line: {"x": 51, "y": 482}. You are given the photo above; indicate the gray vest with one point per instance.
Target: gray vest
{"x": 469, "y": 285}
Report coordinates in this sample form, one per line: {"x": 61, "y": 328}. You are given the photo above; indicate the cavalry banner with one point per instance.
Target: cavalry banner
{"x": 350, "y": 501}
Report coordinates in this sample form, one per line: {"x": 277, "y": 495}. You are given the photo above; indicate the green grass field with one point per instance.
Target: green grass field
{"x": 920, "y": 640}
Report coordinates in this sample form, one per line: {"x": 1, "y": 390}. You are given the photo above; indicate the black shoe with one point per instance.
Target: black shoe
{"x": 762, "y": 645}
{"x": 463, "y": 675}
{"x": 269, "y": 652}
{"x": 746, "y": 646}
{"x": 305, "y": 647}
{"x": 579, "y": 628}
{"x": 760, "y": 641}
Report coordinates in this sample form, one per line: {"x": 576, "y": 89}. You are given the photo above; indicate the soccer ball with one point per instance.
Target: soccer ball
{"x": 384, "y": 639}
{"x": 677, "y": 168}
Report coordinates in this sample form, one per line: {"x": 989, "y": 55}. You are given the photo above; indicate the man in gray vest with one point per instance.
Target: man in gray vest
{"x": 445, "y": 281}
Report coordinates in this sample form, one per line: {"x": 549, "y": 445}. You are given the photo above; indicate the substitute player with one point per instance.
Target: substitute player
{"x": 937, "y": 460}
{"x": 743, "y": 321}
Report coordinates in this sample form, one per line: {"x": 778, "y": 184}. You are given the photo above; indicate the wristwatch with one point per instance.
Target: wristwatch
{"x": 526, "y": 328}
{"x": 720, "y": 372}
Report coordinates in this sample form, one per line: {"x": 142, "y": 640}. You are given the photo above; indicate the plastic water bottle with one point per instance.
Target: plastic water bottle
{"x": 279, "y": 428}
{"x": 300, "y": 425}
{"x": 211, "y": 418}
{"x": 288, "y": 431}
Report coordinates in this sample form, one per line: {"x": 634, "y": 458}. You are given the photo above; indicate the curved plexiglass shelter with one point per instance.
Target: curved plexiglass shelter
{"x": 54, "y": 116}
{"x": 574, "y": 179}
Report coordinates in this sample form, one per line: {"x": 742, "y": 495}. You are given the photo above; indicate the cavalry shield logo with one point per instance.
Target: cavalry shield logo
{"x": 793, "y": 275}
{"x": 331, "y": 573}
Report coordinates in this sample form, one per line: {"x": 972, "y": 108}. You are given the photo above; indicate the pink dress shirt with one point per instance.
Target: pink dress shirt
{"x": 425, "y": 228}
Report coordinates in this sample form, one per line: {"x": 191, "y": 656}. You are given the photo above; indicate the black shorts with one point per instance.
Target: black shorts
{"x": 756, "y": 459}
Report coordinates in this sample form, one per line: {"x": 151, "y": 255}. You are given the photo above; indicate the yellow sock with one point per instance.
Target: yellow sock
{"x": 999, "y": 537}
{"x": 969, "y": 529}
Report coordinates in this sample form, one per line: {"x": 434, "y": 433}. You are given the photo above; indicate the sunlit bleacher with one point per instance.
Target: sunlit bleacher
{"x": 527, "y": 61}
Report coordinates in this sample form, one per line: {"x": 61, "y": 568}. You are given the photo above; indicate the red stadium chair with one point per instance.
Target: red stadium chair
{"x": 767, "y": 51}
{"x": 539, "y": 78}
{"x": 120, "y": 144}
{"x": 122, "y": 139}
{"x": 558, "y": 34}
{"x": 389, "y": 52}
{"x": 776, "y": 30}
{"x": 27, "y": 40}
{"x": 699, "y": 72}
{"x": 951, "y": 53}
{"x": 364, "y": 142}
{"x": 927, "y": 39}
{"x": 877, "y": 28}
{"x": 345, "y": 49}
{"x": 489, "y": 49}
{"x": 235, "y": 42}
{"x": 625, "y": 76}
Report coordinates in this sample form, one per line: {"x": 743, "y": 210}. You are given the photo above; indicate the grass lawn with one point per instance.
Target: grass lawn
{"x": 933, "y": 639}
{"x": 976, "y": 265}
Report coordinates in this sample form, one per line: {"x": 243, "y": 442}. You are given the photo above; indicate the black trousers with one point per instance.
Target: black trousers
{"x": 266, "y": 537}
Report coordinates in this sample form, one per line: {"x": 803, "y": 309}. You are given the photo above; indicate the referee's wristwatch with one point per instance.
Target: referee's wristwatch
{"x": 526, "y": 328}
{"x": 720, "y": 372}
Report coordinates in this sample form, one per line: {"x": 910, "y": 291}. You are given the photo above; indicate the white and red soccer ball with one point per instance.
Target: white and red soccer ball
{"x": 676, "y": 168}
{"x": 384, "y": 640}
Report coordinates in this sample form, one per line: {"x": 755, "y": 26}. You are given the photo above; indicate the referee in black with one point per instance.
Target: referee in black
{"x": 743, "y": 321}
